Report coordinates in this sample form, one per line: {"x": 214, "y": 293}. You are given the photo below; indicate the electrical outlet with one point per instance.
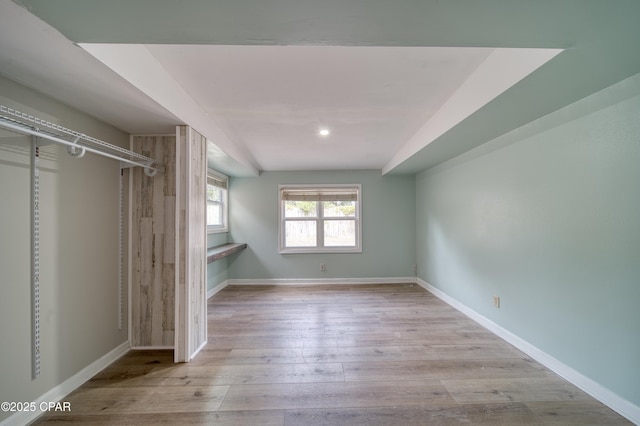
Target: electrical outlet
{"x": 414, "y": 267}
{"x": 496, "y": 301}
{"x": 323, "y": 267}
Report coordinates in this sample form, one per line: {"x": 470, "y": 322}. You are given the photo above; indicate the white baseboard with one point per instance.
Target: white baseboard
{"x": 152, "y": 348}
{"x": 65, "y": 388}
{"x": 596, "y": 390}
{"x": 216, "y": 289}
{"x": 314, "y": 281}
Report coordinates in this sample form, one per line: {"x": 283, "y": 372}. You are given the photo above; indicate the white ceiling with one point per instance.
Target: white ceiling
{"x": 259, "y": 85}
{"x": 264, "y": 105}
{"x": 274, "y": 99}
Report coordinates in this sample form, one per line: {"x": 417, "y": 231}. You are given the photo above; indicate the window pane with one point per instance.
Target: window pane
{"x": 340, "y": 233}
{"x": 339, "y": 208}
{"x": 214, "y": 193}
{"x": 300, "y": 233}
{"x": 319, "y": 218}
{"x": 300, "y": 209}
{"x": 214, "y": 214}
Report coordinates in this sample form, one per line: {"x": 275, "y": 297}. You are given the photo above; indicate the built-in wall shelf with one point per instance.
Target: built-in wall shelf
{"x": 224, "y": 250}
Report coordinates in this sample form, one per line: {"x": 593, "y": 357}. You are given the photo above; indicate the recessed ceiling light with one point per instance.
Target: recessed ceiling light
{"x": 324, "y": 132}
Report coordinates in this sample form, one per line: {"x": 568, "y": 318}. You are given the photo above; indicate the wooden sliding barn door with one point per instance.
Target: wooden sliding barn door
{"x": 168, "y": 245}
{"x": 153, "y": 236}
{"x": 191, "y": 281}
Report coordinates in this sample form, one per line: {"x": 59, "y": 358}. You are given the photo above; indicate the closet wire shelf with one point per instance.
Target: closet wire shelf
{"x": 77, "y": 143}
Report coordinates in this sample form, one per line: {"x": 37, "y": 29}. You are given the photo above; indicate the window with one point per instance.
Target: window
{"x": 216, "y": 202}
{"x": 320, "y": 218}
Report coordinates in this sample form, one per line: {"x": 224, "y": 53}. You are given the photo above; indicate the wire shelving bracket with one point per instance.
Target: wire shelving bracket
{"x": 77, "y": 143}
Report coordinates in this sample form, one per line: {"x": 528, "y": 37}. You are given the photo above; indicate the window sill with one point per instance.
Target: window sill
{"x": 320, "y": 250}
{"x": 217, "y": 230}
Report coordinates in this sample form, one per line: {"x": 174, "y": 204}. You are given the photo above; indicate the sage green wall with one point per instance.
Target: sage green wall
{"x": 216, "y": 271}
{"x": 547, "y": 218}
{"x": 79, "y": 252}
{"x": 388, "y": 218}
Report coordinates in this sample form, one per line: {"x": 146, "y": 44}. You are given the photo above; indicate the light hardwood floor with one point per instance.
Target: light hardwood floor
{"x": 335, "y": 355}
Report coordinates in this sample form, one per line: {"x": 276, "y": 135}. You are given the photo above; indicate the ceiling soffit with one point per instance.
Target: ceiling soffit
{"x": 597, "y": 38}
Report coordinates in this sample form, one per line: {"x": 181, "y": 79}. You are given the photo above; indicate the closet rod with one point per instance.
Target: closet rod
{"x": 32, "y": 127}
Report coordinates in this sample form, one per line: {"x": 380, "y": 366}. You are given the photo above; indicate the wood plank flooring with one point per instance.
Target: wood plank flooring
{"x": 335, "y": 355}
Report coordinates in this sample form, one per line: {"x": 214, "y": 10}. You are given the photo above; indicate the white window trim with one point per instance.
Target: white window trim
{"x": 218, "y": 229}
{"x": 281, "y": 221}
